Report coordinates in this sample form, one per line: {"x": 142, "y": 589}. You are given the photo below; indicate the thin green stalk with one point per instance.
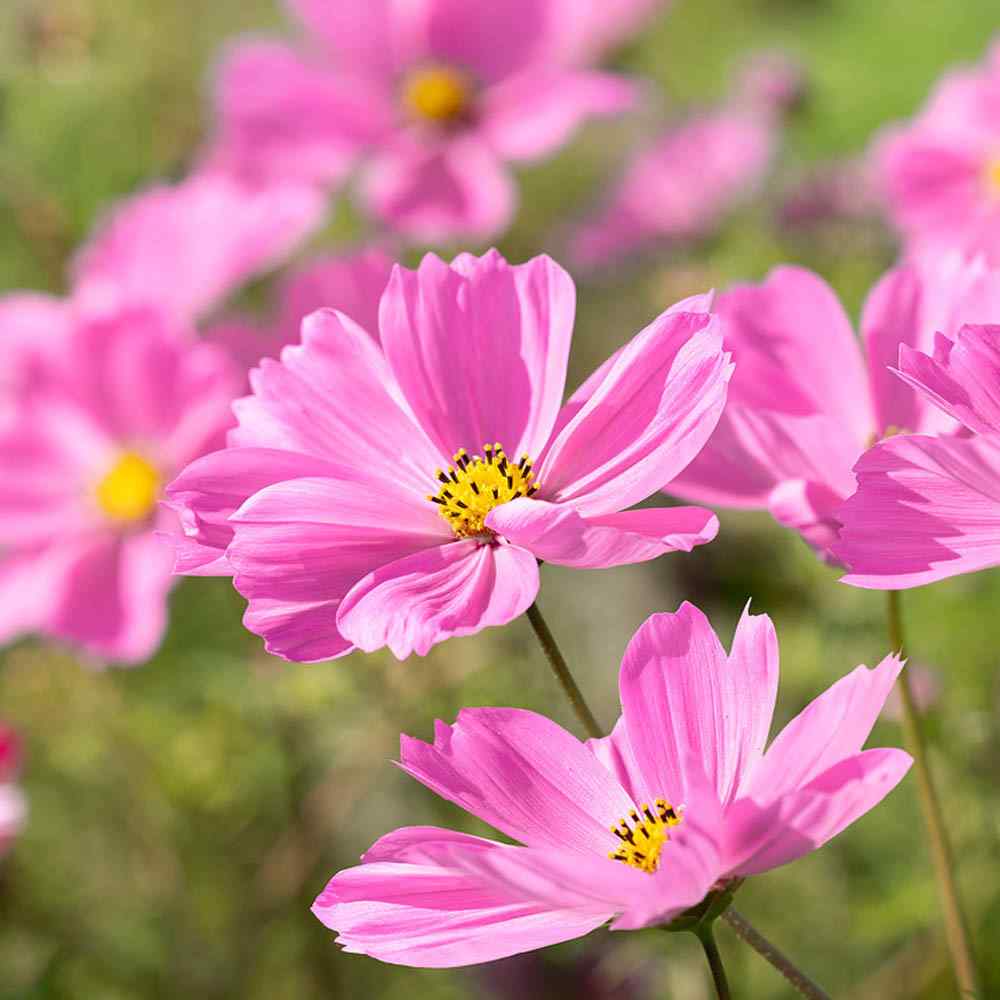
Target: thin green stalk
{"x": 772, "y": 954}
{"x": 559, "y": 667}
{"x": 956, "y": 927}
{"x": 707, "y": 939}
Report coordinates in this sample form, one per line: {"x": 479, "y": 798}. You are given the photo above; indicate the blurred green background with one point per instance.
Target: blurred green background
{"x": 184, "y": 814}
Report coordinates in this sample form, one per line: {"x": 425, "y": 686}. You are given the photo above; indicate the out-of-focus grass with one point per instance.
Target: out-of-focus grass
{"x": 184, "y": 814}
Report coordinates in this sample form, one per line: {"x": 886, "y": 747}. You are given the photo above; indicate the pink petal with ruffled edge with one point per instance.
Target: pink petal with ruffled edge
{"x": 418, "y": 905}
{"x": 831, "y": 728}
{"x": 300, "y": 546}
{"x": 558, "y": 534}
{"x": 524, "y": 775}
{"x": 682, "y": 697}
{"x": 761, "y": 838}
{"x": 450, "y": 590}
{"x": 656, "y": 406}
{"x": 962, "y": 378}
{"x": 926, "y": 509}
{"x": 479, "y": 349}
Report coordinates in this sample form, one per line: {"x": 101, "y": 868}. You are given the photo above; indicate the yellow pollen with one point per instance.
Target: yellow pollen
{"x": 437, "y": 94}
{"x": 475, "y": 484}
{"x": 993, "y": 176}
{"x": 130, "y": 490}
{"x": 643, "y": 838}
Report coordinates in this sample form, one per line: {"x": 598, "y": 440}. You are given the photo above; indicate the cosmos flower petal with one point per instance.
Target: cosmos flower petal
{"x": 558, "y": 534}
{"x": 682, "y": 696}
{"x": 805, "y": 818}
{"x": 832, "y": 727}
{"x": 449, "y": 590}
{"x": 486, "y": 387}
{"x": 655, "y": 408}
{"x": 926, "y": 508}
{"x": 524, "y": 775}
{"x": 962, "y": 377}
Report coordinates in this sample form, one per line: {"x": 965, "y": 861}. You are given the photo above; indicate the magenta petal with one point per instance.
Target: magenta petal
{"x": 333, "y": 397}
{"x": 681, "y": 695}
{"x": 480, "y": 348}
{"x": 963, "y": 378}
{"x": 439, "y": 193}
{"x": 210, "y": 490}
{"x": 760, "y": 838}
{"x": 449, "y": 590}
{"x": 832, "y": 727}
{"x": 810, "y": 509}
{"x": 558, "y": 534}
{"x": 654, "y": 409}
{"x": 524, "y": 775}
{"x": 535, "y": 113}
{"x": 926, "y": 509}
{"x": 300, "y": 546}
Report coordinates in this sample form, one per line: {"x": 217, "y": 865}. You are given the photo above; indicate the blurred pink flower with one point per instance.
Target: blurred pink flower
{"x": 681, "y": 187}
{"x": 183, "y": 249}
{"x": 438, "y": 95}
{"x": 927, "y": 508}
{"x": 320, "y": 507}
{"x": 94, "y": 431}
{"x": 633, "y": 828}
{"x": 13, "y": 809}
{"x": 805, "y": 403}
{"x": 940, "y": 173}
{"x": 351, "y": 283}
{"x": 926, "y": 685}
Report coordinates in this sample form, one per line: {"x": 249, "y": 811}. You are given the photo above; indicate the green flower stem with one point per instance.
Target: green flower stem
{"x": 956, "y": 927}
{"x": 770, "y": 953}
{"x": 707, "y": 938}
{"x": 559, "y": 667}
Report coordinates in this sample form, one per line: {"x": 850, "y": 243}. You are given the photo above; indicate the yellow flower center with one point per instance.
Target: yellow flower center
{"x": 130, "y": 490}
{"x": 437, "y": 94}
{"x": 992, "y": 174}
{"x": 475, "y": 484}
{"x": 643, "y": 838}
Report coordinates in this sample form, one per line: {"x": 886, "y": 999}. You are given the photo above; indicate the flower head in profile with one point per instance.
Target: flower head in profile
{"x": 682, "y": 798}
{"x": 436, "y": 95}
{"x": 92, "y": 436}
{"x": 400, "y": 488}
{"x": 940, "y": 173}
{"x": 13, "y": 809}
{"x": 806, "y": 401}
{"x": 927, "y": 507}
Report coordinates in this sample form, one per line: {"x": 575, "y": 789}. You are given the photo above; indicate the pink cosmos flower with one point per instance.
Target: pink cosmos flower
{"x": 398, "y": 490}
{"x": 94, "y": 433}
{"x": 805, "y": 402}
{"x": 634, "y": 828}
{"x": 352, "y": 283}
{"x": 940, "y": 173}
{"x": 13, "y": 809}
{"x": 437, "y": 94}
{"x": 682, "y": 186}
{"x": 927, "y": 508}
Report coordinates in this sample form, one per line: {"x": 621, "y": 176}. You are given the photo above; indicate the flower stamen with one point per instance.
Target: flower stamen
{"x": 475, "y": 484}
{"x": 437, "y": 94}
{"x": 642, "y": 840}
{"x": 992, "y": 176}
{"x": 129, "y": 492}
